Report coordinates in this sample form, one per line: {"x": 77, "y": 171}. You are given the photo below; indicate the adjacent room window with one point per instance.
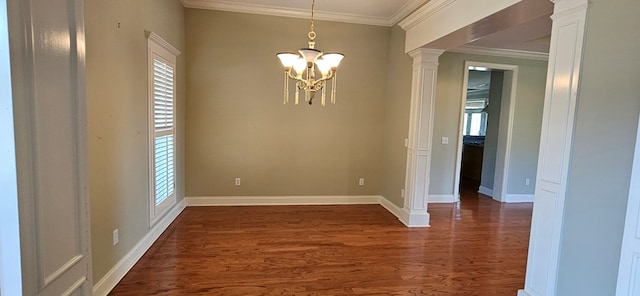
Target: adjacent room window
{"x": 162, "y": 131}
{"x": 475, "y": 123}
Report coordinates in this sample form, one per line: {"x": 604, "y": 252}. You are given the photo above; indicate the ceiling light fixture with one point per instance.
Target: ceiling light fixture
{"x": 305, "y": 65}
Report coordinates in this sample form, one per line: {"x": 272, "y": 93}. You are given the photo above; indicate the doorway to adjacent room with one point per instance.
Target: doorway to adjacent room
{"x": 486, "y": 124}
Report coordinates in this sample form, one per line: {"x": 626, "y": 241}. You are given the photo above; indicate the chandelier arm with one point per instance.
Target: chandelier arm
{"x": 329, "y": 77}
{"x": 311, "y": 84}
{"x": 292, "y": 76}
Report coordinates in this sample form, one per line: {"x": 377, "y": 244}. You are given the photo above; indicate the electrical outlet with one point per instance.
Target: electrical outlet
{"x": 402, "y": 192}
{"x": 361, "y": 182}
{"x": 115, "y": 237}
{"x": 445, "y": 140}
{"x": 527, "y": 181}
{"x": 237, "y": 182}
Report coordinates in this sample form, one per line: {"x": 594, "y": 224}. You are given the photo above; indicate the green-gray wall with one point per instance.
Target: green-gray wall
{"x": 237, "y": 125}
{"x": 396, "y": 126}
{"x": 526, "y": 126}
{"x": 607, "y": 112}
{"x": 493, "y": 124}
{"x": 117, "y": 118}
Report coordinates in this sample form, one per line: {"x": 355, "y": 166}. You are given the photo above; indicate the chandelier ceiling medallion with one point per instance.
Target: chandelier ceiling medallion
{"x": 305, "y": 64}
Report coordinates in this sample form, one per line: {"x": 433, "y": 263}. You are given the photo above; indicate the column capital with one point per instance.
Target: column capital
{"x": 425, "y": 55}
{"x": 562, "y": 7}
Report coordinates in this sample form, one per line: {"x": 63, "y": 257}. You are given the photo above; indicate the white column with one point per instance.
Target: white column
{"x": 423, "y": 91}
{"x": 565, "y": 56}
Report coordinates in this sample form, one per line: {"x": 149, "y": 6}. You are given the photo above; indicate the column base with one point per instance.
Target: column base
{"x": 523, "y": 293}
{"x": 415, "y": 218}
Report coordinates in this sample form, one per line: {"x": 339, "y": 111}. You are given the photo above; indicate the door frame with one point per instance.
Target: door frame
{"x": 507, "y": 110}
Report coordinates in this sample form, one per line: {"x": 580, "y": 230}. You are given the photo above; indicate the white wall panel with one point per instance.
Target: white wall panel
{"x": 47, "y": 39}
{"x": 563, "y": 74}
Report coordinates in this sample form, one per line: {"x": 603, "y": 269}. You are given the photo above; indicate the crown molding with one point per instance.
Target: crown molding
{"x": 404, "y": 11}
{"x": 288, "y": 12}
{"x": 509, "y": 53}
{"x": 424, "y": 12}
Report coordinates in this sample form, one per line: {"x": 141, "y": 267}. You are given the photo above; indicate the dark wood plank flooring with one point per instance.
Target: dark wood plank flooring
{"x": 477, "y": 247}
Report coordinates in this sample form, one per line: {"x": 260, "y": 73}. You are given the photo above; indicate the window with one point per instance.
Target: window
{"x": 162, "y": 131}
{"x": 475, "y": 123}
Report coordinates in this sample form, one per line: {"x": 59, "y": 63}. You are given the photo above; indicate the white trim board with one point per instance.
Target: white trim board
{"x": 442, "y": 198}
{"x": 523, "y": 293}
{"x": 401, "y": 213}
{"x": 404, "y": 11}
{"x": 486, "y": 191}
{"x": 113, "y": 276}
{"x": 511, "y": 198}
{"x": 432, "y": 7}
{"x": 507, "y": 53}
{"x": 281, "y": 200}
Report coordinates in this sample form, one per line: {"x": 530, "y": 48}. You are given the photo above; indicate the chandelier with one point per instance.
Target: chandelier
{"x": 305, "y": 66}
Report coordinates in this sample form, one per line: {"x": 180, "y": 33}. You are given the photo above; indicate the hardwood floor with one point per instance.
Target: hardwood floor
{"x": 476, "y": 248}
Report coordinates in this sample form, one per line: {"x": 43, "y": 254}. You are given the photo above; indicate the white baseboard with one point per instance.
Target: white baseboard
{"x": 523, "y": 293}
{"x": 282, "y": 200}
{"x": 111, "y": 279}
{"x": 401, "y": 213}
{"x": 442, "y": 198}
{"x": 519, "y": 198}
{"x": 416, "y": 219}
{"x": 486, "y": 191}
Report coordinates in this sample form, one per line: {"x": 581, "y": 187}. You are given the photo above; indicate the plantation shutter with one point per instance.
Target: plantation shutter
{"x": 163, "y": 122}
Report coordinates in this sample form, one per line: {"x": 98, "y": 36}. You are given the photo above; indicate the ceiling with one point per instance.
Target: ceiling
{"x": 532, "y": 36}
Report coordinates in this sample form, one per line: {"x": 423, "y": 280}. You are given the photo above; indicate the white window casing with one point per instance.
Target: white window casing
{"x": 162, "y": 130}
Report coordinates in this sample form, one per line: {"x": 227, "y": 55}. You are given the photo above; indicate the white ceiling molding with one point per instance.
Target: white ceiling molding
{"x": 424, "y": 12}
{"x": 404, "y": 11}
{"x": 509, "y": 53}
{"x": 289, "y": 12}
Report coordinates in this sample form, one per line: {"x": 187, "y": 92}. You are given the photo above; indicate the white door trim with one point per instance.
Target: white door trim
{"x": 507, "y": 110}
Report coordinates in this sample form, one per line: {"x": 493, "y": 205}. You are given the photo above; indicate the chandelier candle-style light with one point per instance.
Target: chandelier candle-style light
{"x": 305, "y": 66}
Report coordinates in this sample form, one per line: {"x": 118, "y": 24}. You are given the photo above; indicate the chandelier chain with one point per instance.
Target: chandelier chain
{"x": 312, "y": 33}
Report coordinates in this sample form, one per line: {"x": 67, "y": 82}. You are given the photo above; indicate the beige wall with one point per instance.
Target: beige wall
{"x": 396, "y": 127}
{"x": 117, "y": 118}
{"x": 527, "y": 120}
{"x": 237, "y": 125}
